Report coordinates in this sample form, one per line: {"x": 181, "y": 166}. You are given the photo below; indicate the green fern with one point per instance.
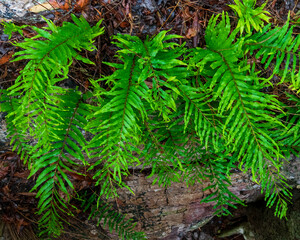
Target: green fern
{"x": 66, "y": 142}
{"x": 119, "y": 123}
{"x": 248, "y": 113}
{"x": 50, "y": 114}
{"x": 19, "y": 137}
{"x": 189, "y": 115}
{"x": 277, "y": 44}
{"x": 250, "y": 17}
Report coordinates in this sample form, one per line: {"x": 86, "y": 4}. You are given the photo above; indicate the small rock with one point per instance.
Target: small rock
{"x": 17, "y": 9}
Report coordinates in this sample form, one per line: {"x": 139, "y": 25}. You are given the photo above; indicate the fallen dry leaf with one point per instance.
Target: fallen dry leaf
{"x": 20, "y": 223}
{"x": 23, "y": 174}
{"x": 6, "y": 57}
{"x": 124, "y": 24}
{"x": 41, "y": 7}
{"x": 6, "y": 190}
{"x": 56, "y": 4}
{"x": 81, "y": 4}
{"x": 28, "y": 34}
{"x": 3, "y": 171}
{"x": 192, "y": 32}
{"x": 120, "y": 202}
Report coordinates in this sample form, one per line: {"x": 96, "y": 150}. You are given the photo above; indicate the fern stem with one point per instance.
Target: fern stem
{"x": 127, "y": 93}
{"x": 240, "y": 97}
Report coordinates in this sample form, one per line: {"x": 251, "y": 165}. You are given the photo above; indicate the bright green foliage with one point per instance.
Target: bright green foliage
{"x": 9, "y": 28}
{"x": 188, "y": 115}
{"x": 248, "y": 114}
{"x": 19, "y": 138}
{"x": 121, "y": 120}
{"x": 280, "y": 45}
{"x": 248, "y": 16}
{"x": 49, "y": 114}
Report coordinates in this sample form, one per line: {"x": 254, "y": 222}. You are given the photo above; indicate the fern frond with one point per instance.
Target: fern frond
{"x": 216, "y": 168}
{"x": 158, "y": 61}
{"x": 163, "y": 151}
{"x": 49, "y": 63}
{"x": 144, "y": 84}
{"x": 188, "y": 115}
{"x": 248, "y": 112}
{"x": 9, "y": 28}
{"x": 277, "y": 45}
{"x": 115, "y": 126}
{"x": 200, "y": 114}
{"x": 250, "y": 17}
{"x": 248, "y": 106}
{"x": 53, "y": 116}
{"x": 19, "y": 137}
{"x": 64, "y": 144}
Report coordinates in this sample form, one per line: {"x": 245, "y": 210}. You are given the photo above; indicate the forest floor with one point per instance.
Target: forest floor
{"x": 136, "y": 17}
